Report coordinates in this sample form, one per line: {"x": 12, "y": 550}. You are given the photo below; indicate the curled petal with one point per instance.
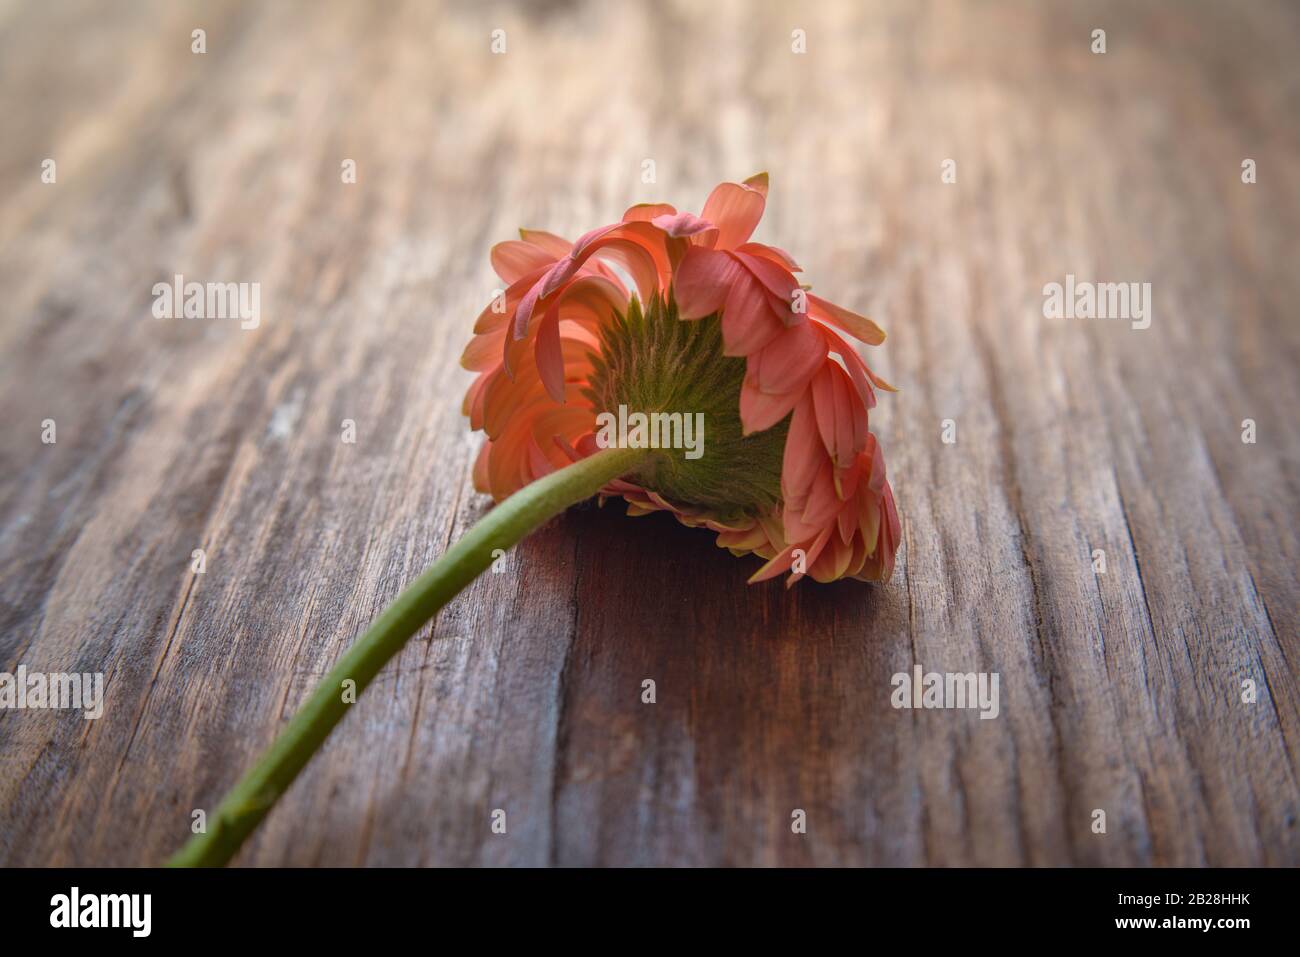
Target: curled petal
{"x": 645, "y": 267}
{"x": 638, "y": 246}
{"x": 557, "y": 247}
{"x": 736, "y": 210}
{"x": 683, "y": 225}
{"x": 647, "y": 212}
{"x": 550, "y": 360}
{"x": 497, "y": 313}
{"x": 524, "y": 312}
{"x": 513, "y": 259}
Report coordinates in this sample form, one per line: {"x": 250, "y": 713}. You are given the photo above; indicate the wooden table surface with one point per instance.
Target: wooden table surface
{"x": 1121, "y": 691}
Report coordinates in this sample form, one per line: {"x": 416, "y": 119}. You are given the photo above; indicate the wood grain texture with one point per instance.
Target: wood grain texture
{"x": 1119, "y": 691}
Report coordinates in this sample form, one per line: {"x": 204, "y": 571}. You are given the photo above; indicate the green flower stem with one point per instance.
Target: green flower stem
{"x": 255, "y": 794}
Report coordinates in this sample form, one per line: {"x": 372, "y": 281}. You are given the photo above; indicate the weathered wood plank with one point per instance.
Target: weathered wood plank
{"x": 1119, "y": 691}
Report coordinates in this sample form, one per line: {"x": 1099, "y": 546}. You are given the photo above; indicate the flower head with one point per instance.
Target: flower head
{"x": 713, "y": 324}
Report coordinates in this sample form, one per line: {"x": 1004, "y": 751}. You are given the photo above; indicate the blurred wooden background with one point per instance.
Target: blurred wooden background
{"x": 1120, "y": 691}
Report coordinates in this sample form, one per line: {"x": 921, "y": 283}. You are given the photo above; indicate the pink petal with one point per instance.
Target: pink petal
{"x": 760, "y": 411}
{"x": 592, "y": 300}
{"x": 858, "y": 370}
{"x": 702, "y": 281}
{"x": 647, "y": 212}
{"x": 775, "y": 254}
{"x": 556, "y": 246}
{"x": 803, "y": 452}
{"x": 641, "y": 264}
{"x": 789, "y": 361}
{"x": 550, "y": 359}
{"x": 481, "y": 468}
{"x": 472, "y": 405}
{"x": 891, "y": 513}
{"x": 847, "y": 525}
{"x": 524, "y": 313}
{"x": 489, "y": 319}
{"x": 834, "y": 562}
{"x": 566, "y": 447}
{"x": 748, "y": 323}
{"x": 736, "y": 210}
{"x": 513, "y": 260}
{"x": 823, "y": 393}
{"x": 743, "y": 540}
{"x": 869, "y": 520}
{"x": 818, "y": 544}
{"x": 633, "y": 245}
{"x": 537, "y": 461}
{"x": 859, "y": 327}
{"x": 781, "y": 563}
{"x": 683, "y": 224}
{"x": 860, "y": 421}
{"x": 483, "y": 351}
{"x": 877, "y": 483}
{"x": 778, "y": 280}
{"x": 845, "y": 450}
{"x": 823, "y": 503}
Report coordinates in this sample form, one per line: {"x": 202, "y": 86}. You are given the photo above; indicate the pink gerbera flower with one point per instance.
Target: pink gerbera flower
{"x": 713, "y": 327}
{"x": 716, "y": 324}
